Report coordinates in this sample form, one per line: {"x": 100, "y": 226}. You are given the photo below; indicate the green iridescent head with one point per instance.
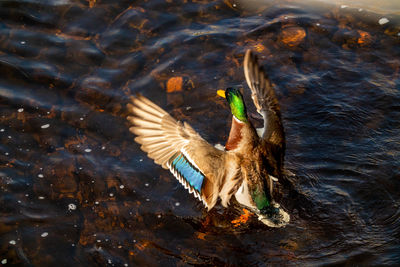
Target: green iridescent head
{"x": 236, "y": 103}
{"x": 260, "y": 198}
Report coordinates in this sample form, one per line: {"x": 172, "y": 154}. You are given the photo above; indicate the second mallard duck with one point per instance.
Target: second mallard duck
{"x": 248, "y": 166}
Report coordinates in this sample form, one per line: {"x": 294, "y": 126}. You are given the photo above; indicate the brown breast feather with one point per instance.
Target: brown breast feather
{"x": 235, "y": 135}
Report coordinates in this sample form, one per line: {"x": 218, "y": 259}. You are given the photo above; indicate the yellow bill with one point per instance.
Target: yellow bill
{"x": 221, "y": 93}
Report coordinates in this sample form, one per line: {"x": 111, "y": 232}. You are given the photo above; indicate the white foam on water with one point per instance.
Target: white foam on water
{"x": 383, "y": 21}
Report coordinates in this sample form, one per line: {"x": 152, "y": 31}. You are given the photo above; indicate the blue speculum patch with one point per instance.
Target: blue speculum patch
{"x": 189, "y": 172}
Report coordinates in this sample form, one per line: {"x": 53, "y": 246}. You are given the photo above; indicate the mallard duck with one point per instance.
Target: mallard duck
{"x": 246, "y": 168}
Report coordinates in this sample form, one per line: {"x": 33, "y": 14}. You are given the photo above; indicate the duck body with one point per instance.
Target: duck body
{"x": 243, "y": 169}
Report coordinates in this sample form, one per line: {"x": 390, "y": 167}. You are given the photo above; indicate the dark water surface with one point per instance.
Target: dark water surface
{"x": 76, "y": 190}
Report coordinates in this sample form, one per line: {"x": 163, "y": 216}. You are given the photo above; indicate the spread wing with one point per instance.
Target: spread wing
{"x": 264, "y": 99}
{"x": 178, "y": 147}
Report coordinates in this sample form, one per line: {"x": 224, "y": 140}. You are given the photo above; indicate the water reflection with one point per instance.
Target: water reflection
{"x": 379, "y": 7}
{"x": 68, "y": 69}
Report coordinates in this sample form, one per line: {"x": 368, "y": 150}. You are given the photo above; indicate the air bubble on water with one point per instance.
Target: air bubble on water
{"x": 88, "y": 150}
{"x": 71, "y": 206}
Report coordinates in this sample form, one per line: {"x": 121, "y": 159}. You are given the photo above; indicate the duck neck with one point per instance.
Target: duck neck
{"x": 235, "y": 135}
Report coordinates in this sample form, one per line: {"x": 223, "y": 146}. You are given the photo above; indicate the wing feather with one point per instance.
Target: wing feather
{"x": 264, "y": 98}
{"x": 178, "y": 147}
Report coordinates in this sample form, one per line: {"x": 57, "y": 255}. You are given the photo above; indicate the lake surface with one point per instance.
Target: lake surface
{"x": 76, "y": 190}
